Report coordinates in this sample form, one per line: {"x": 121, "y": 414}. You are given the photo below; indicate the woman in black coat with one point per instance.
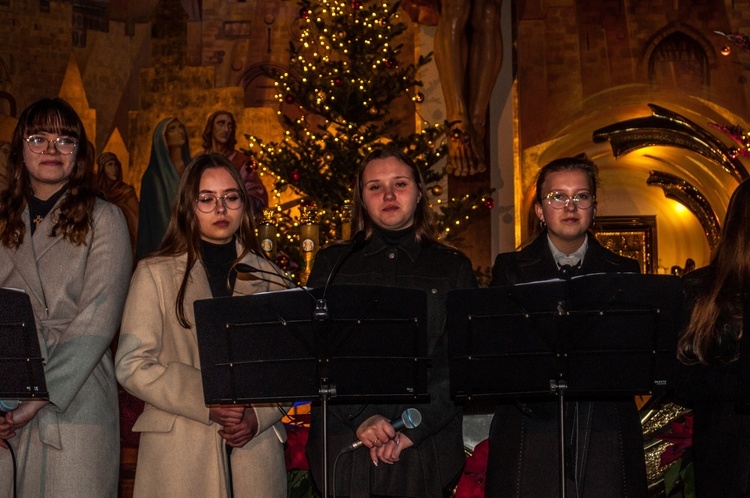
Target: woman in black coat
{"x": 604, "y": 441}
{"x": 710, "y": 349}
{"x": 400, "y": 249}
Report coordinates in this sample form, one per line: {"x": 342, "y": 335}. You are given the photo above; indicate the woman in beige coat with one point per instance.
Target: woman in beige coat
{"x": 70, "y": 252}
{"x": 183, "y": 443}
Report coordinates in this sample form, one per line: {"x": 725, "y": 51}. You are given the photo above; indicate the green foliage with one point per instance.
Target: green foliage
{"x": 299, "y": 484}
{"x": 344, "y": 82}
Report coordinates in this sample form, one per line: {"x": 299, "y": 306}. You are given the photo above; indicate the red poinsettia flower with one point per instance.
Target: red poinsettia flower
{"x": 681, "y": 437}
{"x": 471, "y": 484}
{"x": 294, "y": 450}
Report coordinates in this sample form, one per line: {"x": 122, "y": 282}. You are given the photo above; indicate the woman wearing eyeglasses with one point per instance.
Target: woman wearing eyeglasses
{"x": 604, "y": 441}
{"x": 183, "y": 443}
{"x": 70, "y": 252}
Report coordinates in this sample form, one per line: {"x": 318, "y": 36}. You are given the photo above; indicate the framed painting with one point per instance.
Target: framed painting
{"x": 630, "y": 236}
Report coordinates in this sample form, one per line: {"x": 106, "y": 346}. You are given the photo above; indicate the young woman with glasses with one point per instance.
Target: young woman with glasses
{"x": 183, "y": 443}
{"x": 604, "y": 441}
{"x": 70, "y": 252}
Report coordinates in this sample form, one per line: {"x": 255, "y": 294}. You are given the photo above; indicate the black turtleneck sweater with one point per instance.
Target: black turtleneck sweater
{"x": 218, "y": 259}
{"x": 39, "y": 209}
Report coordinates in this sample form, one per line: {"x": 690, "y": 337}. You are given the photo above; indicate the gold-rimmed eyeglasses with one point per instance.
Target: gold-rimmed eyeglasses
{"x": 207, "y": 203}
{"x": 560, "y": 200}
{"x": 38, "y": 144}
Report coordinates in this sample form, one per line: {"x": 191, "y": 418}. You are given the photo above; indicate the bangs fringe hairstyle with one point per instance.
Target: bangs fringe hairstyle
{"x": 424, "y": 222}
{"x": 73, "y": 218}
{"x": 208, "y": 131}
{"x": 723, "y": 298}
{"x": 183, "y": 234}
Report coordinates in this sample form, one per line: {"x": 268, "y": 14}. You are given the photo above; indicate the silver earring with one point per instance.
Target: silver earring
{"x": 542, "y": 224}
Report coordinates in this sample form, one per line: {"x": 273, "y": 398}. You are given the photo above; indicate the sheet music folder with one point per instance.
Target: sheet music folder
{"x": 600, "y": 334}
{"x": 21, "y": 362}
{"x": 267, "y": 347}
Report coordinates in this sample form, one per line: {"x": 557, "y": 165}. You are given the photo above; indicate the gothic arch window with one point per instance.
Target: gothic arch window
{"x": 678, "y": 60}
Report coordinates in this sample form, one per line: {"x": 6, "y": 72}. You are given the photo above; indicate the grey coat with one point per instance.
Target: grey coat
{"x": 71, "y": 447}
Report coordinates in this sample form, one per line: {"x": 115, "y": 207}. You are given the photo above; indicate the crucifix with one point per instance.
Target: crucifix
{"x": 38, "y": 220}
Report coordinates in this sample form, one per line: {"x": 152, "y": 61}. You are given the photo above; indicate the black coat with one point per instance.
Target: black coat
{"x": 605, "y": 440}
{"x": 437, "y": 457}
{"x": 721, "y": 433}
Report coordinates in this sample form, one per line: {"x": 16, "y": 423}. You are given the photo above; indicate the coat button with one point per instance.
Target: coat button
{"x": 391, "y": 255}
{"x": 434, "y": 291}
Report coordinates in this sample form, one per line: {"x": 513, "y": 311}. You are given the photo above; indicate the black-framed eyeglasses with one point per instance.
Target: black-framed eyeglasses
{"x": 38, "y": 144}
{"x": 207, "y": 203}
{"x": 560, "y": 200}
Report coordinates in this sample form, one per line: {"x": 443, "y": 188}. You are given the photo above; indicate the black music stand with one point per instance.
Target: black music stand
{"x": 267, "y": 347}
{"x": 21, "y": 362}
{"x": 592, "y": 336}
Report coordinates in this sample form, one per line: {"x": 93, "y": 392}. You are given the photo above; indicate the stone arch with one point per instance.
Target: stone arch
{"x": 258, "y": 86}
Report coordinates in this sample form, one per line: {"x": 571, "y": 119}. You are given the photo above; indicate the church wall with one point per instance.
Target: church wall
{"x": 584, "y": 65}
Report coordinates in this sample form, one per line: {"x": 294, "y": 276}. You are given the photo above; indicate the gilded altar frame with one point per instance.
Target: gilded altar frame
{"x": 630, "y": 236}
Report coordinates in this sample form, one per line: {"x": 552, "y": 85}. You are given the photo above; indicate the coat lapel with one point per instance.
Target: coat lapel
{"x": 25, "y": 261}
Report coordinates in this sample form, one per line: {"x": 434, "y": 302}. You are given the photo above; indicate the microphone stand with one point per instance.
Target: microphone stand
{"x": 321, "y": 316}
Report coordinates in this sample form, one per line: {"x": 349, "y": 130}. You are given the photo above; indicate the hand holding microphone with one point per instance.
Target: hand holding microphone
{"x": 409, "y": 419}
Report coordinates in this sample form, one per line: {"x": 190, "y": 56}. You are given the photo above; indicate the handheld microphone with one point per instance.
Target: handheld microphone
{"x": 409, "y": 419}
{"x": 8, "y": 405}
{"x": 320, "y": 312}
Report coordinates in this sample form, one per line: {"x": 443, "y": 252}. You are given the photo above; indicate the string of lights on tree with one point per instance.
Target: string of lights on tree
{"x": 345, "y": 93}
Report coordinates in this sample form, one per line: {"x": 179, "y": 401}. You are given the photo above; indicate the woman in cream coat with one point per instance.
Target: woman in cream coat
{"x": 183, "y": 443}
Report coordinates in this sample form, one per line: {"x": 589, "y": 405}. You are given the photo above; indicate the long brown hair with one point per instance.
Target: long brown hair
{"x": 183, "y": 232}
{"x": 704, "y": 342}
{"x": 424, "y": 223}
{"x": 75, "y": 213}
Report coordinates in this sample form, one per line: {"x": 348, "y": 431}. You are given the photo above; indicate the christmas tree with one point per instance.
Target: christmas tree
{"x": 338, "y": 100}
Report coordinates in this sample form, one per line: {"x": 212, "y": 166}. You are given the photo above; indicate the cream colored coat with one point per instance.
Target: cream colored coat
{"x": 72, "y": 446}
{"x": 181, "y": 453}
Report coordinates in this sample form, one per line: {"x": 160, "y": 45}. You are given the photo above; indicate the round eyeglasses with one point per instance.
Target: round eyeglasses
{"x": 38, "y": 144}
{"x": 207, "y": 203}
{"x": 560, "y": 200}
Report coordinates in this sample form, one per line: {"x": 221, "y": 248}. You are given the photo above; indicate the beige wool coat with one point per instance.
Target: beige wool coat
{"x": 181, "y": 453}
{"x": 72, "y": 446}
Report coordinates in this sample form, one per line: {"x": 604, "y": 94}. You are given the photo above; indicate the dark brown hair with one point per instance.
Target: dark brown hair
{"x": 722, "y": 297}
{"x": 74, "y": 216}
{"x": 183, "y": 232}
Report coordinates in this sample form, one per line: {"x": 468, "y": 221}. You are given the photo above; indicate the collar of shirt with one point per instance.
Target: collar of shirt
{"x": 378, "y": 243}
{"x": 573, "y": 259}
